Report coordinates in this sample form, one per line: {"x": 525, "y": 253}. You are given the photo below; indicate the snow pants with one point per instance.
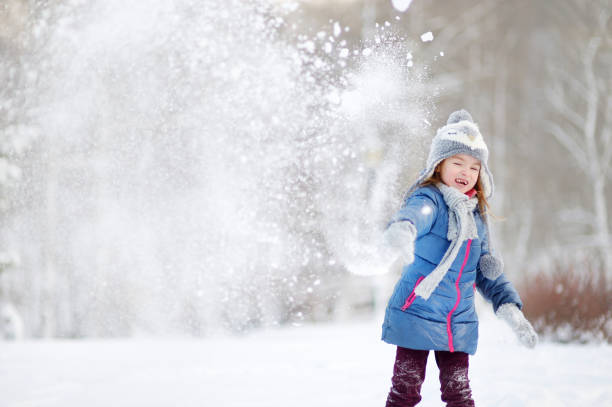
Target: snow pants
{"x": 409, "y": 374}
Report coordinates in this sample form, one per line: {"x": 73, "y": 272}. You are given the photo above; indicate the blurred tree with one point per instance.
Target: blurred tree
{"x": 16, "y": 134}
{"x": 579, "y": 114}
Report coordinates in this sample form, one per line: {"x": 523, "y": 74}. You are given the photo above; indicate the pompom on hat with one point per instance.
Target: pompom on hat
{"x": 460, "y": 135}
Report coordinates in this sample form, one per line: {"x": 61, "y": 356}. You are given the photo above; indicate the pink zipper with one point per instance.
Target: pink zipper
{"x": 412, "y": 295}
{"x": 448, "y": 317}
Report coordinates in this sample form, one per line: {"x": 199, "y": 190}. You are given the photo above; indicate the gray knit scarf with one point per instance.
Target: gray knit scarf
{"x": 461, "y": 227}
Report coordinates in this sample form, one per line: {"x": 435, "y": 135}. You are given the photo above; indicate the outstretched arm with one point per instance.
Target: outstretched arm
{"x": 398, "y": 241}
{"x": 507, "y": 306}
{"x": 414, "y": 219}
{"x": 519, "y": 324}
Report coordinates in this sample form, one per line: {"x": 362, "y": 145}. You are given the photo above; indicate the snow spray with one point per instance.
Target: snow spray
{"x": 199, "y": 166}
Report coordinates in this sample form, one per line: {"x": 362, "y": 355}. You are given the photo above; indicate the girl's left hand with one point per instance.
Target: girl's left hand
{"x": 519, "y": 324}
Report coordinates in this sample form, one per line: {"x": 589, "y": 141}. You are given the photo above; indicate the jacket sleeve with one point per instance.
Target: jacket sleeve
{"x": 498, "y": 292}
{"x": 420, "y": 209}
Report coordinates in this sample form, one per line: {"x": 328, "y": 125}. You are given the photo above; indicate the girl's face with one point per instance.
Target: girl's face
{"x": 460, "y": 171}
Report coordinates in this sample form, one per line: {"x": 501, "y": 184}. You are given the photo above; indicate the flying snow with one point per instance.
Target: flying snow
{"x": 401, "y": 5}
{"x": 427, "y": 37}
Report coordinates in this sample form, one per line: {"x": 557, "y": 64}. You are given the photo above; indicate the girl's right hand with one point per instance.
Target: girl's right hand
{"x": 398, "y": 241}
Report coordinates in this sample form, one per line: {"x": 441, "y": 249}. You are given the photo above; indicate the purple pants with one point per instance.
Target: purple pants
{"x": 409, "y": 374}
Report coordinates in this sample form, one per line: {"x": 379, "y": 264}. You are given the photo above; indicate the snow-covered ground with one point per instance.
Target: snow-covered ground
{"x": 313, "y": 365}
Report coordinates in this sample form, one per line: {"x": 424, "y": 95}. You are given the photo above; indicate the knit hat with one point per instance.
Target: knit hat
{"x": 459, "y": 136}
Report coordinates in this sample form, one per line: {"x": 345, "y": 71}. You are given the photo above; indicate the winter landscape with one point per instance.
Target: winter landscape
{"x": 192, "y": 195}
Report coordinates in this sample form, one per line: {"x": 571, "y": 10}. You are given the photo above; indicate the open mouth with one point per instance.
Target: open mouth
{"x": 461, "y": 181}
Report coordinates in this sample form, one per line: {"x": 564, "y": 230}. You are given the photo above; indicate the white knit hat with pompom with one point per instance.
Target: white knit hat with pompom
{"x": 460, "y": 135}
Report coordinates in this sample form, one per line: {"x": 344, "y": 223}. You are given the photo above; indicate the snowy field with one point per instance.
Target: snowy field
{"x": 307, "y": 366}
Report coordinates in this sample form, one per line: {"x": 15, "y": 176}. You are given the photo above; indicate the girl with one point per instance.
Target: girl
{"x": 441, "y": 233}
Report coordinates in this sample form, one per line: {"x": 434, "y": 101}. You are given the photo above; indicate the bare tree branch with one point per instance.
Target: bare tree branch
{"x": 577, "y": 215}
{"x": 449, "y": 33}
{"x": 557, "y": 98}
{"x": 575, "y": 150}
{"x": 590, "y": 122}
{"x": 574, "y": 84}
{"x": 606, "y": 160}
{"x": 606, "y": 139}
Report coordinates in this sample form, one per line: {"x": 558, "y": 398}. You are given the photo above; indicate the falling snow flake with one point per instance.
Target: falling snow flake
{"x": 427, "y": 37}
{"x": 401, "y": 5}
{"x": 337, "y": 29}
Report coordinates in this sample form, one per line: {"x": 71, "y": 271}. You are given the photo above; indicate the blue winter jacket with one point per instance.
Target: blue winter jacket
{"x": 447, "y": 320}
